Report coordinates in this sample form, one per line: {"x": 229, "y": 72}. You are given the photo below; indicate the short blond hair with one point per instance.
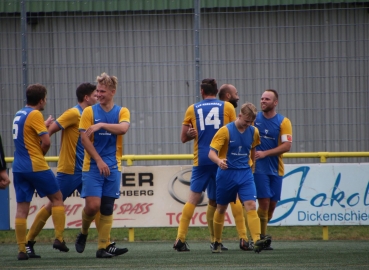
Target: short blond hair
{"x": 249, "y": 109}
{"x": 109, "y": 81}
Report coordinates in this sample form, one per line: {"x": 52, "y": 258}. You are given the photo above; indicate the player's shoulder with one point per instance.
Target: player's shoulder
{"x": 283, "y": 118}
{"x": 191, "y": 107}
{"x": 34, "y": 114}
{"x": 74, "y": 110}
{"x": 228, "y": 105}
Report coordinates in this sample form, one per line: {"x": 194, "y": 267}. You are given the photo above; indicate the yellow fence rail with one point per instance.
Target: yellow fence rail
{"x": 129, "y": 159}
{"x": 323, "y": 156}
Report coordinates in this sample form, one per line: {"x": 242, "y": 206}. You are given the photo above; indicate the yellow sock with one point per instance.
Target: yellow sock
{"x": 209, "y": 218}
{"x": 218, "y": 226}
{"x": 184, "y": 223}
{"x": 86, "y": 222}
{"x": 239, "y": 219}
{"x": 58, "y": 216}
{"x": 105, "y": 225}
{"x": 263, "y": 215}
{"x": 37, "y": 225}
{"x": 20, "y": 233}
{"x": 254, "y": 224}
{"x": 97, "y": 220}
{"x": 97, "y": 224}
{"x": 246, "y": 224}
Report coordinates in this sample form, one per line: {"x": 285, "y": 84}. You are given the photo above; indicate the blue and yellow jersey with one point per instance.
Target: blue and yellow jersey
{"x": 28, "y": 126}
{"x": 273, "y": 132}
{"x": 207, "y": 117}
{"x": 109, "y": 146}
{"x": 235, "y": 146}
{"x": 71, "y": 149}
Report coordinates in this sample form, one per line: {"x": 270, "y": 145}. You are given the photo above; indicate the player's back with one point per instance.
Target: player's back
{"x": 28, "y": 126}
{"x": 71, "y": 150}
{"x": 209, "y": 115}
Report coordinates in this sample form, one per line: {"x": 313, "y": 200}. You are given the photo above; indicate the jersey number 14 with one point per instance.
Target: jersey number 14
{"x": 211, "y": 119}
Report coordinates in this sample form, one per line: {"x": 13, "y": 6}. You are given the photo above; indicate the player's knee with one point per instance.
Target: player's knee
{"x": 212, "y": 203}
{"x": 107, "y": 206}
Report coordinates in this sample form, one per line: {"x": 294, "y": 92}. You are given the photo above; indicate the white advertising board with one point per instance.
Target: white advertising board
{"x": 153, "y": 196}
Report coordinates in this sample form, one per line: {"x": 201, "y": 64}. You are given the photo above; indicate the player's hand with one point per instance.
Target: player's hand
{"x": 92, "y": 129}
{"x": 4, "y": 180}
{"x": 223, "y": 164}
{"x": 191, "y": 132}
{"x": 49, "y": 121}
{"x": 103, "y": 168}
{"x": 260, "y": 155}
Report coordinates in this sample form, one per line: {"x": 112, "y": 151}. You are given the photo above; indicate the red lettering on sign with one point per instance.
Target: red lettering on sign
{"x": 170, "y": 217}
{"x": 139, "y": 208}
{"x": 71, "y": 209}
{"x": 32, "y": 209}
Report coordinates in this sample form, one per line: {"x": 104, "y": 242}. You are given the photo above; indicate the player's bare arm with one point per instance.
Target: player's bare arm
{"x": 188, "y": 133}
{"x": 49, "y": 121}
{"x": 213, "y": 156}
{"x": 53, "y": 128}
{"x": 45, "y": 143}
{"x": 279, "y": 150}
{"x": 116, "y": 129}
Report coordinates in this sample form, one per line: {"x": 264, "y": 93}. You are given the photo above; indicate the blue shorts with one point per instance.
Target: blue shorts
{"x": 268, "y": 186}
{"x": 96, "y": 185}
{"x": 68, "y": 183}
{"x": 25, "y": 184}
{"x": 232, "y": 182}
{"x": 203, "y": 178}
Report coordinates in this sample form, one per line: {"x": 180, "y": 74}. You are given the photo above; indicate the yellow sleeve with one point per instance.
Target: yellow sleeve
{"x": 229, "y": 113}
{"x": 69, "y": 118}
{"x": 188, "y": 116}
{"x": 256, "y": 141}
{"x": 86, "y": 119}
{"x": 38, "y": 123}
{"x": 124, "y": 115}
{"x": 220, "y": 140}
{"x": 286, "y": 130}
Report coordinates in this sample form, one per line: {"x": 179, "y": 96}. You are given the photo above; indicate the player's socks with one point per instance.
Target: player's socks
{"x": 97, "y": 224}
{"x": 209, "y": 218}
{"x": 97, "y": 220}
{"x": 254, "y": 224}
{"x": 58, "y": 216}
{"x": 239, "y": 219}
{"x": 37, "y": 225}
{"x": 263, "y": 215}
{"x": 246, "y": 224}
{"x": 20, "y": 233}
{"x": 105, "y": 225}
{"x": 218, "y": 226}
{"x": 184, "y": 223}
{"x": 86, "y": 222}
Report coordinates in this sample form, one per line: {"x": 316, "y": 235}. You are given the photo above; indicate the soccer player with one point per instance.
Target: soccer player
{"x": 276, "y": 139}
{"x": 69, "y": 171}
{"x": 231, "y": 149}
{"x": 30, "y": 169}
{"x": 228, "y": 92}
{"x": 102, "y": 127}
{"x": 200, "y": 123}
{"x": 4, "y": 178}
